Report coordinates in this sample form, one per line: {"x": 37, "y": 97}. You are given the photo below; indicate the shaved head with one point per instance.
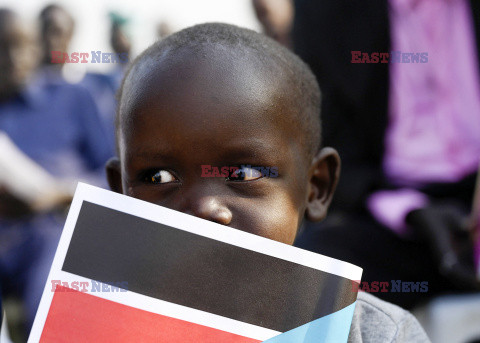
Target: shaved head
{"x": 226, "y": 58}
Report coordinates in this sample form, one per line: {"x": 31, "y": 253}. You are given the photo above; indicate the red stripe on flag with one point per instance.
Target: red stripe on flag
{"x": 80, "y": 317}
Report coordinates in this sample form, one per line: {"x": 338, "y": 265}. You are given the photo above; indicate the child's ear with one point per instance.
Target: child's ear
{"x": 324, "y": 174}
{"x": 114, "y": 174}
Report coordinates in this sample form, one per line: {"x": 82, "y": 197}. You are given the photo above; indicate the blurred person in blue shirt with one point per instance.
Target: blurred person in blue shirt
{"x": 56, "y": 32}
{"x": 58, "y": 126}
{"x": 57, "y": 27}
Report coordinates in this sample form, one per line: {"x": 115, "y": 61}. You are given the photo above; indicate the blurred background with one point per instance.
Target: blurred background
{"x": 145, "y": 17}
{"x": 408, "y": 204}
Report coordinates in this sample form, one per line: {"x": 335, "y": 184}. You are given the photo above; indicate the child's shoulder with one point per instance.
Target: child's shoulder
{"x": 375, "y": 320}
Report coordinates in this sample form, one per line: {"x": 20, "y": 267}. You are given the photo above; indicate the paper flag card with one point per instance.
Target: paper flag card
{"x": 130, "y": 271}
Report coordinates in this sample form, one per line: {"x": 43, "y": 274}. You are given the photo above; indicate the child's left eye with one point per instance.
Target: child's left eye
{"x": 160, "y": 176}
{"x": 245, "y": 174}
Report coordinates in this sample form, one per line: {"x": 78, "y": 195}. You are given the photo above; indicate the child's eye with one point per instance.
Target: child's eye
{"x": 245, "y": 174}
{"x": 160, "y": 176}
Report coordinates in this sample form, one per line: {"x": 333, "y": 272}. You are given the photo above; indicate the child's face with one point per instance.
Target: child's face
{"x": 193, "y": 113}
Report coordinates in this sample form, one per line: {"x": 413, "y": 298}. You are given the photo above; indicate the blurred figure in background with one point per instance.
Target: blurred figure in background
{"x": 163, "y": 29}
{"x": 276, "y": 17}
{"x": 18, "y": 55}
{"x": 56, "y": 32}
{"x": 407, "y": 187}
{"x": 121, "y": 43}
{"x": 57, "y": 125}
{"x": 103, "y": 87}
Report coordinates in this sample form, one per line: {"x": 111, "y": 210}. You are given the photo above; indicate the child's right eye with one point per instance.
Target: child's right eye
{"x": 159, "y": 176}
{"x": 245, "y": 174}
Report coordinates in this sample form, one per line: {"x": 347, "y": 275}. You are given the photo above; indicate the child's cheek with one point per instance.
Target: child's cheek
{"x": 276, "y": 218}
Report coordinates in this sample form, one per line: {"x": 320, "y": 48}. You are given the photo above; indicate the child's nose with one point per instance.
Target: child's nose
{"x": 210, "y": 208}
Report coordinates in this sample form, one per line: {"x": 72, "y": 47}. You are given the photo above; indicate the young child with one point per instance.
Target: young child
{"x": 222, "y": 96}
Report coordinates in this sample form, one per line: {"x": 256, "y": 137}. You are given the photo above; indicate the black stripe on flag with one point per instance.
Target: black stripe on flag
{"x": 199, "y": 272}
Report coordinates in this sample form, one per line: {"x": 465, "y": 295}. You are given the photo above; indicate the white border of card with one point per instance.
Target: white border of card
{"x": 188, "y": 223}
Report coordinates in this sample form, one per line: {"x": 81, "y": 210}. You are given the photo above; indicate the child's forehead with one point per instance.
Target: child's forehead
{"x": 236, "y": 90}
{"x": 216, "y": 63}
{"x": 206, "y": 75}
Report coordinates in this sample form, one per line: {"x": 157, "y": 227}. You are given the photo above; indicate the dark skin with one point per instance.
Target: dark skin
{"x": 211, "y": 108}
{"x": 56, "y": 33}
{"x": 17, "y": 62}
{"x": 17, "y": 55}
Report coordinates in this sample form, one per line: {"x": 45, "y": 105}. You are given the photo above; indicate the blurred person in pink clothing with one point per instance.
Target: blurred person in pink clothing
{"x": 408, "y": 179}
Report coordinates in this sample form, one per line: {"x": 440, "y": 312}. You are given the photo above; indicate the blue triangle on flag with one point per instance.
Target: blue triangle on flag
{"x": 333, "y": 328}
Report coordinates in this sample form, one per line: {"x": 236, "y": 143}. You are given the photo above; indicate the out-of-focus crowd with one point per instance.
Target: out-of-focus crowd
{"x": 66, "y": 129}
